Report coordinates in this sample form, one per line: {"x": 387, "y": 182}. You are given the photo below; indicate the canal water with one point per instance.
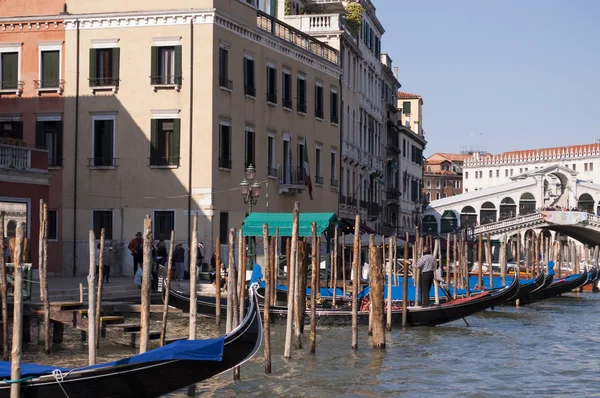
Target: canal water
{"x": 546, "y": 349}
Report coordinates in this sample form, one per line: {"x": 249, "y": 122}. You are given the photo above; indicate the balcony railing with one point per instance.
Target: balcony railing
{"x": 319, "y": 113}
{"x": 315, "y": 23}
{"x": 363, "y": 204}
{"x": 12, "y": 86}
{"x": 250, "y": 91}
{"x": 53, "y": 85}
{"x": 225, "y": 83}
{"x": 334, "y": 183}
{"x": 296, "y": 37}
{"x": 225, "y": 163}
{"x": 335, "y": 119}
{"x": 291, "y": 176}
{"x": 15, "y": 157}
{"x": 271, "y": 172}
{"x": 287, "y": 103}
{"x": 104, "y": 82}
{"x": 342, "y": 199}
{"x": 166, "y": 81}
{"x": 319, "y": 180}
{"x": 272, "y": 98}
{"x": 103, "y": 162}
{"x": 350, "y": 151}
{"x": 301, "y": 107}
{"x": 164, "y": 162}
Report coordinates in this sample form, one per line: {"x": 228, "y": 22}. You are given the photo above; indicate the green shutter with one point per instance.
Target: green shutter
{"x": 39, "y": 135}
{"x": 406, "y": 107}
{"x": 50, "y": 66}
{"x": 93, "y": 64}
{"x": 174, "y": 144}
{"x": 10, "y": 70}
{"x": 59, "y": 143}
{"x": 154, "y": 160}
{"x": 178, "y": 72}
{"x": 154, "y": 64}
{"x": 115, "y": 63}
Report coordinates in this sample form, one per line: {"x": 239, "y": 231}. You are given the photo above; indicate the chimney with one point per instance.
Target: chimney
{"x": 396, "y": 72}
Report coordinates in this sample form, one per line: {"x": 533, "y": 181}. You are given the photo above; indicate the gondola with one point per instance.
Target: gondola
{"x": 556, "y": 288}
{"x": 416, "y": 316}
{"x": 151, "y": 374}
{"x": 528, "y": 286}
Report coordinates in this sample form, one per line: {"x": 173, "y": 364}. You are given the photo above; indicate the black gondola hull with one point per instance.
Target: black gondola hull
{"x": 556, "y": 288}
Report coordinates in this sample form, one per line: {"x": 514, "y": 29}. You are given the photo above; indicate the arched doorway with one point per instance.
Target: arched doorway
{"x": 430, "y": 225}
{"x": 449, "y": 222}
{"x": 11, "y": 229}
{"x": 586, "y": 203}
{"x": 526, "y": 204}
{"x": 487, "y": 213}
{"x": 508, "y": 208}
{"x": 468, "y": 216}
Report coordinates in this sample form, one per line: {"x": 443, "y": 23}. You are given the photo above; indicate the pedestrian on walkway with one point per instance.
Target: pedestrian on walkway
{"x": 136, "y": 247}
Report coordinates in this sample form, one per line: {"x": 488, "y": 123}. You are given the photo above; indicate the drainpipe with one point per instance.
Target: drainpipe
{"x": 75, "y": 156}
{"x": 190, "y": 132}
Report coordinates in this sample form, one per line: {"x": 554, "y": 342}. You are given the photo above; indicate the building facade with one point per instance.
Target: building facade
{"x": 32, "y": 64}
{"x": 172, "y": 106}
{"x": 442, "y": 175}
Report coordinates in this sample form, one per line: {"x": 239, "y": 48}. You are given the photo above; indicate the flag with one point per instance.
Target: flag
{"x": 307, "y": 169}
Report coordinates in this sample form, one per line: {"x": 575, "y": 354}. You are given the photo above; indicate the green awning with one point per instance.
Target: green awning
{"x": 253, "y": 225}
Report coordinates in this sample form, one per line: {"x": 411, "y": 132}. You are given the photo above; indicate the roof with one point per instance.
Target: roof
{"x": 405, "y": 95}
{"x": 560, "y": 149}
{"x": 253, "y": 225}
{"x": 452, "y": 157}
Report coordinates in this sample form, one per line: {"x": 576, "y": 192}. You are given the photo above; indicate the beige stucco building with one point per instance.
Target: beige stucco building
{"x": 179, "y": 102}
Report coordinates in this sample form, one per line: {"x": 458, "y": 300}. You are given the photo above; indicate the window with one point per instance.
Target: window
{"x": 48, "y": 135}
{"x": 164, "y": 223}
{"x": 318, "y": 101}
{"x": 249, "y": 78}
{"x": 223, "y": 227}
{"x": 334, "y": 107}
{"x": 9, "y": 71}
{"x": 52, "y": 225}
{"x": 103, "y": 219}
{"x": 166, "y": 65}
{"x": 300, "y": 160}
{"x": 437, "y": 196}
{"x": 271, "y": 171}
{"x": 50, "y": 69}
{"x": 585, "y": 167}
{"x": 428, "y": 183}
{"x": 511, "y": 172}
{"x": 250, "y": 148}
{"x": 164, "y": 146}
{"x": 466, "y": 175}
{"x": 506, "y": 173}
{"x": 103, "y": 146}
{"x": 498, "y": 173}
{"x": 520, "y": 170}
{"x": 574, "y": 167}
{"x": 334, "y": 181}
{"x": 286, "y": 175}
{"x": 437, "y": 183}
{"x": 271, "y": 84}
{"x": 301, "y": 94}
{"x": 491, "y": 174}
{"x": 591, "y": 166}
{"x": 224, "y": 145}
{"x": 224, "y": 81}
{"x": 406, "y": 107}
{"x": 11, "y": 127}
{"x": 445, "y": 183}
{"x": 287, "y": 89}
{"x": 318, "y": 167}
{"x": 104, "y": 67}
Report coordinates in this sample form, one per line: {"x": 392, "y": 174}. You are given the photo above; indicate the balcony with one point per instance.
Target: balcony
{"x": 290, "y": 179}
{"x": 319, "y": 113}
{"x": 319, "y": 180}
{"x": 287, "y": 103}
{"x": 272, "y": 98}
{"x": 301, "y": 107}
{"x": 334, "y": 183}
{"x": 11, "y": 87}
{"x": 102, "y": 163}
{"x": 49, "y": 86}
{"x": 225, "y": 83}
{"x": 22, "y": 158}
{"x": 315, "y": 23}
{"x": 296, "y": 37}
{"x": 250, "y": 91}
{"x": 335, "y": 119}
{"x": 104, "y": 83}
{"x": 166, "y": 81}
{"x": 350, "y": 152}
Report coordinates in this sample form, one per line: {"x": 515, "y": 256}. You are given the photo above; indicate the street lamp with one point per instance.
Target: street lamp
{"x": 250, "y": 190}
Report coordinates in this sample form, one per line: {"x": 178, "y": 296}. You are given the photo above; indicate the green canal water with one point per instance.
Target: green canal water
{"x": 546, "y": 349}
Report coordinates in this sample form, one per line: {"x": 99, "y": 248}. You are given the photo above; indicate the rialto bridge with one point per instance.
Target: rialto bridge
{"x": 549, "y": 199}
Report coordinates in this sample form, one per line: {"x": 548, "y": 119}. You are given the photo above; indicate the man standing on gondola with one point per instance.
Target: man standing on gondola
{"x": 427, "y": 266}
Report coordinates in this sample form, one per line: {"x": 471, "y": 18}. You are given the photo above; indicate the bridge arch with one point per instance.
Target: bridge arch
{"x": 527, "y": 203}
{"x": 508, "y": 208}
{"x": 487, "y": 213}
{"x": 449, "y": 222}
{"x": 430, "y": 225}
{"x": 468, "y": 216}
{"x": 586, "y": 203}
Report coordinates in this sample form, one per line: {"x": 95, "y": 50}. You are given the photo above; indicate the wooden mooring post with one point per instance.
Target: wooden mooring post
{"x": 287, "y": 353}
{"x": 300, "y": 305}
{"x": 355, "y": 282}
{"x": 237, "y": 288}
{"x": 3, "y": 292}
{"x": 167, "y": 287}
{"x": 230, "y": 283}
{"x": 390, "y": 276}
{"x": 146, "y": 276}
{"x": 488, "y": 256}
{"x": 218, "y": 282}
{"x": 99, "y": 294}
{"x": 313, "y": 285}
{"x": 376, "y": 283}
{"x": 193, "y": 305}
{"x": 268, "y": 287}
{"x": 91, "y": 332}
{"x": 405, "y": 284}
{"x": 43, "y": 270}
{"x": 17, "y": 341}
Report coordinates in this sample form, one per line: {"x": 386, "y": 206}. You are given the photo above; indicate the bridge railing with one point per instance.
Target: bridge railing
{"x": 508, "y": 223}
{"x": 27, "y": 270}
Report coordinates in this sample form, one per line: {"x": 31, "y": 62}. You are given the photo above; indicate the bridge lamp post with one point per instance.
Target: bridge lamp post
{"x": 250, "y": 190}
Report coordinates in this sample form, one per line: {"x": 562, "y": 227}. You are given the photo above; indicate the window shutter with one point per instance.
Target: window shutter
{"x": 50, "y": 65}
{"x": 39, "y": 135}
{"x": 59, "y": 142}
{"x": 108, "y": 142}
{"x": 251, "y": 82}
{"x": 178, "y": 72}
{"x": 154, "y": 64}
{"x": 93, "y": 63}
{"x": 174, "y": 144}
{"x": 10, "y": 68}
{"x": 154, "y": 161}
{"x": 115, "y": 63}
{"x": 406, "y": 107}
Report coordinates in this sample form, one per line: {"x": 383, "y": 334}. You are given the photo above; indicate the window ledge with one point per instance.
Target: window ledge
{"x": 272, "y": 177}
{"x": 114, "y": 89}
{"x": 172, "y": 166}
{"x": 52, "y": 240}
{"x": 224, "y": 169}
{"x": 302, "y": 113}
{"x": 12, "y": 91}
{"x": 176, "y": 87}
{"x": 271, "y": 103}
{"x": 319, "y": 119}
{"x": 287, "y": 109}
{"x": 54, "y": 167}
{"x": 335, "y": 124}
{"x": 103, "y": 167}
{"x": 58, "y": 90}
{"x": 252, "y": 97}
{"x": 336, "y": 189}
{"x": 226, "y": 89}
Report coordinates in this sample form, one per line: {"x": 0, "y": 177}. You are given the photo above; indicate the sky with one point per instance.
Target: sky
{"x": 501, "y": 74}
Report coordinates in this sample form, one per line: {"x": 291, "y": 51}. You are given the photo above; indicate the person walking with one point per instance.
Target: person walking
{"x": 427, "y": 266}
{"x": 136, "y": 247}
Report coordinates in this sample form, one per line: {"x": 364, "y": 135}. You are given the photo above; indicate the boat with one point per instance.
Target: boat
{"x": 416, "y": 315}
{"x": 151, "y": 374}
{"x": 556, "y": 288}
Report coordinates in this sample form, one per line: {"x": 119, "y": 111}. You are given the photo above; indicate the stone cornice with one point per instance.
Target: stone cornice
{"x": 206, "y": 16}
{"x": 509, "y": 160}
{"x": 30, "y": 25}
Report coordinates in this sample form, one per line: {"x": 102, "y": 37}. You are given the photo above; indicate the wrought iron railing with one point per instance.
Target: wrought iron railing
{"x": 225, "y": 83}
{"x": 287, "y": 103}
{"x": 166, "y": 80}
{"x": 12, "y": 85}
{"x": 272, "y": 98}
{"x": 334, "y": 183}
{"x": 301, "y": 107}
{"x": 104, "y": 82}
{"x": 250, "y": 90}
{"x": 52, "y": 84}
{"x": 164, "y": 161}
{"x": 102, "y": 162}
{"x": 335, "y": 119}
{"x": 225, "y": 163}
{"x": 291, "y": 175}
{"x": 319, "y": 113}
